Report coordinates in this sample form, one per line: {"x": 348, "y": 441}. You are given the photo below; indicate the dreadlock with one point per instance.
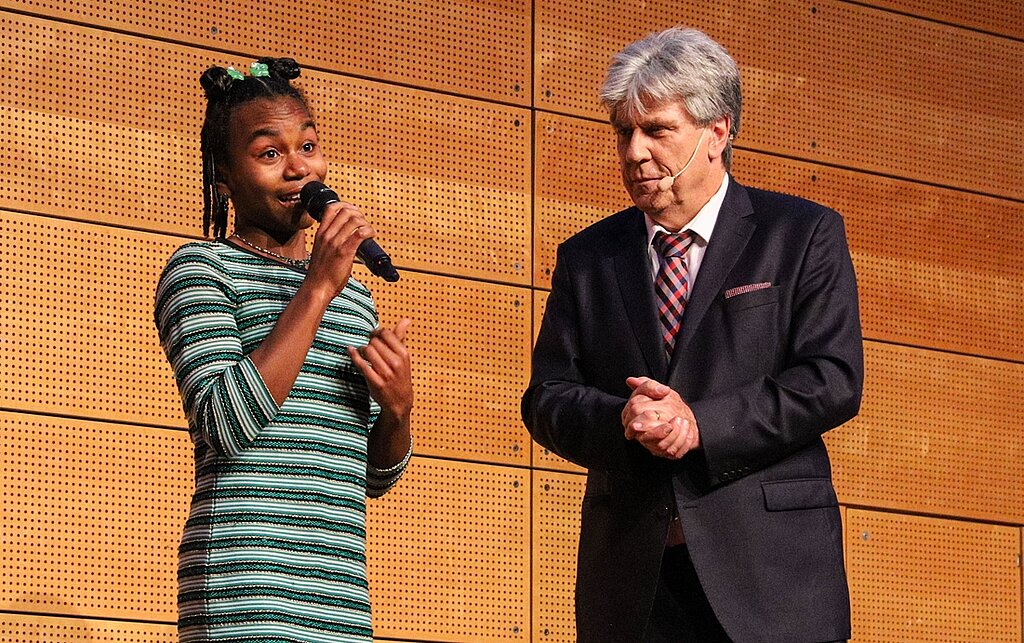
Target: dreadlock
{"x": 225, "y": 91}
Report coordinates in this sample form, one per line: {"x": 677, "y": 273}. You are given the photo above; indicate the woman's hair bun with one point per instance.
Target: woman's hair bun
{"x": 285, "y": 68}
{"x": 216, "y": 82}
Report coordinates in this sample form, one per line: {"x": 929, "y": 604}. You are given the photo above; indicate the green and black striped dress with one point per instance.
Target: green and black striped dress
{"x": 274, "y": 547}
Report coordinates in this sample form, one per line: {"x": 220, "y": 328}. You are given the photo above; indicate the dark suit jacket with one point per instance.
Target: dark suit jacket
{"x": 766, "y": 371}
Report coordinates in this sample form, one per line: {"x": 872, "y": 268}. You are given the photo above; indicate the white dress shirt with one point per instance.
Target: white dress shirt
{"x": 701, "y": 226}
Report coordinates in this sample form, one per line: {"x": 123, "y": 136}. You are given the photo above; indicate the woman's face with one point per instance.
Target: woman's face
{"x": 273, "y": 151}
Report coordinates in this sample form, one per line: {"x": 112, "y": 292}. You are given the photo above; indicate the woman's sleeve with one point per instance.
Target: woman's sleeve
{"x": 226, "y": 402}
{"x": 380, "y": 481}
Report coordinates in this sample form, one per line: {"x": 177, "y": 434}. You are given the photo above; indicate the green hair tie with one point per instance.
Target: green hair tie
{"x": 258, "y": 69}
{"x": 234, "y": 73}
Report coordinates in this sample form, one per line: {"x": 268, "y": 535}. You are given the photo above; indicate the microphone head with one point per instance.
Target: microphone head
{"x": 315, "y": 196}
{"x": 665, "y": 183}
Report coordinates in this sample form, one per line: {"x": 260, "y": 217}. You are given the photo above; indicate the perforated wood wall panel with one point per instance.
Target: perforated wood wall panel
{"x": 556, "y": 533}
{"x": 92, "y": 516}
{"x": 428, "y": 111}
{"x": 937, "y": 433}
{"x": 474, "y": 47}
{"x": 445, "y": 181}
{"x": 449, "y": 552}
{"x": 64, "y": 352}
{"x": 1004, "y": 17}
{"x": 23, "y": 628}
{"x": 576, "y": 183}
{"x": 20, "y": 628}
{"x": 923, "y": 579}
{"x": 832, "y": 82}
{"x": 936, "y": 267}
{"x": 470, "y": 346}
{"x": 76, "y": 317}
{"x": 121, "y": 118}
{"x": 542, "y": 457}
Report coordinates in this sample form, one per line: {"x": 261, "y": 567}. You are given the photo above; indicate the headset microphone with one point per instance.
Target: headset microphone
{"x": 316, "y": 196}
{"x": 665, "y": 184}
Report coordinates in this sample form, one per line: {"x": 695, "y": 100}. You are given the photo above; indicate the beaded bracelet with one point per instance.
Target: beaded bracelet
{"x": 383, "y": 473}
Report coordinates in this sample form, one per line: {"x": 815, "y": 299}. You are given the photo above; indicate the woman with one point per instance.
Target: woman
{"x": 293, "y": 426}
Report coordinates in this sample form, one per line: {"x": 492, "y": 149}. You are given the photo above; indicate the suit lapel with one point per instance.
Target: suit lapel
{"x": 733, "y": 230}
{"x": 633, "y": 273}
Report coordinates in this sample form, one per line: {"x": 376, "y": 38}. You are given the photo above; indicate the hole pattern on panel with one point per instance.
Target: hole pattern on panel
{"x": 575, "y": 43}
{"x": 76, "y": 307}
{"x": 470, "y": 346}
{"x": 462, "y": 206}
{"x": 449, "y": 552}
{"x": 445, "y": 181}
{"x": 923, "y": 579}
{"x": 19, "y": 628}
{"x": 937, "y": 433}
{"x": 1004, "y": 17}
{"x": 919, "y": 283}
{"x": 121, "y": 119}
{"x": 577, "y": 183}
{"x": 556, "y": 533}
{"x": 836, "y": 82}
{"x": 935, "y": 267}
{"x": 474, "y": 47}
{"x": 543, "y": 458}
{"x": 92, "y": 516}
{"x": 883, "y": 92}
{"x": 479, "y": 48}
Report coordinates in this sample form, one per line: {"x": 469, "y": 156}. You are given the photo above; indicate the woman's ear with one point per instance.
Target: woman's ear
{"x": 223, "y": 190}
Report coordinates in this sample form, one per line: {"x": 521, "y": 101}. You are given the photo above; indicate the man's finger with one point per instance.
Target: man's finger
{"x": 633, "y": 382}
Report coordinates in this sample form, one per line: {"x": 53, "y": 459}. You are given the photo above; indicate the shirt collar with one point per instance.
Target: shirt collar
{"x": 701, "y": 225}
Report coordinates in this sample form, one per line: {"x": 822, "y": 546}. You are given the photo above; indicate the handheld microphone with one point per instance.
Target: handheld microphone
{"x": 665, "y": 184}
{"x": 316, "y": 196}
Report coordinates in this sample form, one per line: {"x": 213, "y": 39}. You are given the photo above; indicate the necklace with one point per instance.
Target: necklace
{"x": 297, "y": 263}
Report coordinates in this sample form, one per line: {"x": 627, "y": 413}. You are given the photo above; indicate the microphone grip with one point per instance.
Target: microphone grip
{"x": 378, "y": 261}
{"x": 316, "y": 196}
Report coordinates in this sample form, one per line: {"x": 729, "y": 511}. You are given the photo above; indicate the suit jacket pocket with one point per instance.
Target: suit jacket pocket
{"x": 752, "y": 299}
{"x": 802, "y": 493}
{"x": 749, "y": 335}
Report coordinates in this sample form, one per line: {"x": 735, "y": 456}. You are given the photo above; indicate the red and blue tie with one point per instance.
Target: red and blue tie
{"x": 671, "y": 285}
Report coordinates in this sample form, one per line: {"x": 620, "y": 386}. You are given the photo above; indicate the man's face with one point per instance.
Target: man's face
{"x": 659, "y": 144}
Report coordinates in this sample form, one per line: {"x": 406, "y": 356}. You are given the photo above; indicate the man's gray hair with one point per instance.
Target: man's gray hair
{"x": 676, "y": 64}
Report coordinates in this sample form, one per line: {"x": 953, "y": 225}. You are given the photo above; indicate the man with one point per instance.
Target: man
{"x": 694, "y": 374}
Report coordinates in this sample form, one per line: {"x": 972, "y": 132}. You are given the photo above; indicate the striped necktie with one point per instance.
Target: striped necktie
{"x": 671, "y": 285}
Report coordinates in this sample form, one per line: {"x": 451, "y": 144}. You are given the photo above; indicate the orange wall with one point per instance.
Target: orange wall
{"x": 470, "y": 132}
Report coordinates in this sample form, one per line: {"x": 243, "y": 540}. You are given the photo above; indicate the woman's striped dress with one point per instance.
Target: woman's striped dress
{"x": 274, "y": 546}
